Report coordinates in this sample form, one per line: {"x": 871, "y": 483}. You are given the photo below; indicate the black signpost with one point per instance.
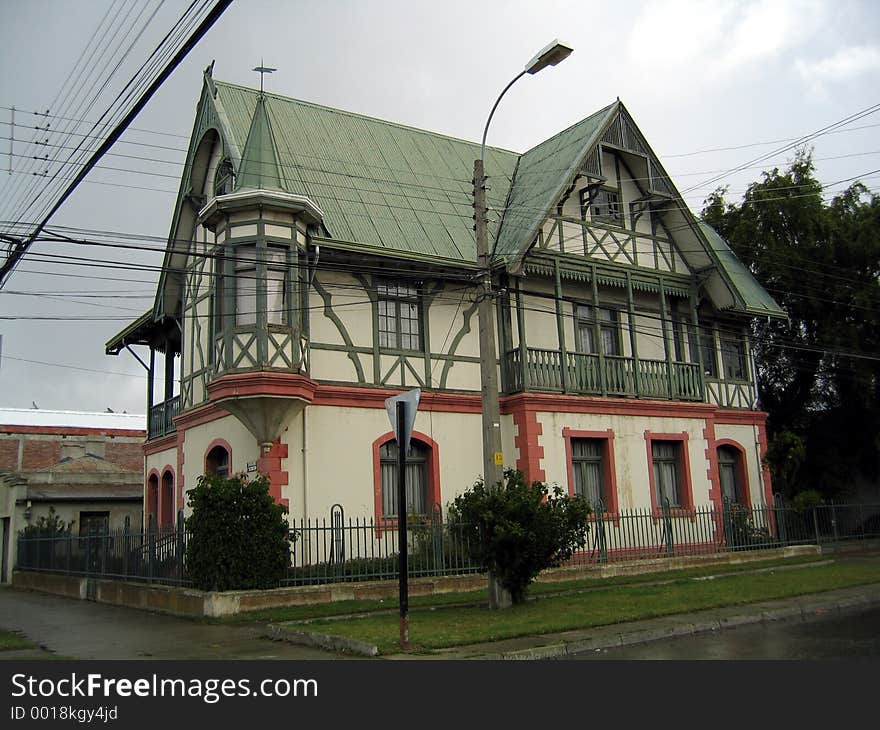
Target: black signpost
{"x": 402, "y": 413}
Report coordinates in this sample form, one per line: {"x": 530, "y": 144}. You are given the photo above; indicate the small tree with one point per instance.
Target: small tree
{"x": 521, "y": 529}
{"x": 239, "y": 535}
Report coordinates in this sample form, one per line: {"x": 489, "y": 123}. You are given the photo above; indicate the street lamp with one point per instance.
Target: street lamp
{"x": 492, "y": 454}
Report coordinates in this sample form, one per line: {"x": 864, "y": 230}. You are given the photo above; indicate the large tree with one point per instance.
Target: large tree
{"x": 819, "y": 372}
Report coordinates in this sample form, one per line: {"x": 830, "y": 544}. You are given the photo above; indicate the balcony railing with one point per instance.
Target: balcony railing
{"x": 610, "y": 375}
{"x": 161, "y": 420}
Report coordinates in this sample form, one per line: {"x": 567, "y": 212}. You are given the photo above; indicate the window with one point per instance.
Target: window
{"x": 276, "y": 285}
{"x": 166, "y": 500}
{"x": 92, "y": 523}
{"x": 246, "y": 285}
{"x": 217, "y": 462}
{"x": 667, "y": 472}
{"x": 731, "y": 475}
{"x": 216, "y": 323}
{"x": 605, "y": 207}
{"x": 733, "y": 358}
{"x": 707, "y": 345}
{"x": 399, "y": 320}
{"x": 609, "y": 330}
{"x": 589, "y": 477}
{"x": 678, "y": 337}
{"x": 416, "y": 479}
{"x": 224, "y": 180}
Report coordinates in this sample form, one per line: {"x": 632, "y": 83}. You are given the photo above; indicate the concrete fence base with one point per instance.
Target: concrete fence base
{"x": 182, "y": 601}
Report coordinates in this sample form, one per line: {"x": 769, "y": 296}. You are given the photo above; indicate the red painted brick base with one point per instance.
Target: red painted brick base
{"x": 269, "y": 464}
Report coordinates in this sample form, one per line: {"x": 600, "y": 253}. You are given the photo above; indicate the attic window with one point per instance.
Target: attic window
{"x": 606, "y": 207}
{"x": 224, "y": 180}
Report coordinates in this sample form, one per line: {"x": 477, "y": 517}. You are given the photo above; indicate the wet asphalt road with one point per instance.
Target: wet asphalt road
{"x": 86, "y": 630}
{"x": 854, "y": 636}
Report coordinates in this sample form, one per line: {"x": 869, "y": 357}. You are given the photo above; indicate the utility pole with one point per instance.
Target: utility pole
{"x": 493, "y": 459}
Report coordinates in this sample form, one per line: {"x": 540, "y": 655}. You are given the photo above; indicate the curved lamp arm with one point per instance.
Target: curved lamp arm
{"x": 494, "y": 107}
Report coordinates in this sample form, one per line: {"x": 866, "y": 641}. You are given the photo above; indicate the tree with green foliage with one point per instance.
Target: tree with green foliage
{"x": 520, "y": 528}
{"x": 238, "y": 535}
{"x": 819, "y": 372}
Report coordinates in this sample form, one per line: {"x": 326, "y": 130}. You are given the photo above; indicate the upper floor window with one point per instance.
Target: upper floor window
{"x": 609, "y": 329}
{"x": 707, "y": 347}
{"x": 733, "y": 358}
{"x": 224, "y": 179}
{"x": 399, "y": 316}
{"x": 247, "y": 302}
{"x": 603, "y": 205}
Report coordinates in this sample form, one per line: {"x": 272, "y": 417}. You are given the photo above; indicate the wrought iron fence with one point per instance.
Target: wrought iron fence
{"x": 342, "y": 549}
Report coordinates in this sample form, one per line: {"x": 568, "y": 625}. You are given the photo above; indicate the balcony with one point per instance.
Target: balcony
{"x": 161, "y": 418}
{"x": 611, "y": 375}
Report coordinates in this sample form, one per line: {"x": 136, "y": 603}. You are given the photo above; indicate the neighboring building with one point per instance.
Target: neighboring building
{"x": 320, "y": 261}
{"x": 87, "y": 467}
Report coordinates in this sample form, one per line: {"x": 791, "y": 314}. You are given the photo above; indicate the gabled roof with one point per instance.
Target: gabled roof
{"x": 542, "y": 176}
{"x": 753, "y": 298}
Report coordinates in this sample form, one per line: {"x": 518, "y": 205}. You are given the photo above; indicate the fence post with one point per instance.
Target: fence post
{"x": 126, "y": 545}
{"x": 181, "y": 545}
{"x": 69, "y": 547}
{"x": 600, "y": 532}
{"x": 816, "y": 524}
{"x": 834, "y": 523}
{"x": 151, "y": 547}
{"x": 667, "y": 526}
{"x": 779, "y": 509}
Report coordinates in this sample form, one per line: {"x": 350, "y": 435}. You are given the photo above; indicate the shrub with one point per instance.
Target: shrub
{"x": 238, "y": 535}
{"x": 521, "y": 529}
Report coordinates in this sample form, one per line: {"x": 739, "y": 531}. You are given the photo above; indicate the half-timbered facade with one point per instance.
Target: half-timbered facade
{"x": 320, "y": 261}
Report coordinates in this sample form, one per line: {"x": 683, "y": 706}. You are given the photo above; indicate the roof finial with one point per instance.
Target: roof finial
{"x": 261, "y": 69}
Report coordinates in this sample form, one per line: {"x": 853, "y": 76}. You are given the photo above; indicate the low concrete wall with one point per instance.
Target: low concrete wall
{"x": 190, "y": 602}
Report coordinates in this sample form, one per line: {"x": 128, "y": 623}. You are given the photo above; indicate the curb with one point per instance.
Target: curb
{"x": 688, "y": 628}
{"x": 279, "y": 632}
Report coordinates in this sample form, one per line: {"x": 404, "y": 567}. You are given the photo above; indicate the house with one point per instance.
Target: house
{"x": 319, "y": 261}
{"x": 87, "y": 468}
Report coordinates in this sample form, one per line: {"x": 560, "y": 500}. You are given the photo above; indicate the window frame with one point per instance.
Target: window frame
{"x": 90, "y": 515}
{"x": 221, "y": 443}
{"x": 413, "y": 296}
{"x": 594, "y": 204}
{"x": 587, "y": 321}
{"x": 685, "y": 487}
{"x": 609, "y": 471}
{"x": 432, "y": 476}
{"x": 737, "y": 369}
{"x": 740, "y": 469}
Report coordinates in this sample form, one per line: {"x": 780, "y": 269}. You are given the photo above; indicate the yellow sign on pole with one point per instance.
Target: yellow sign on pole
{"x": 499, "y": 458}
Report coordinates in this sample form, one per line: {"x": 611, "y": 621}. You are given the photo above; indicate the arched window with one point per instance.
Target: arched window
{"x": 152, "y": 498}
{"x": 732, "y": 475}
{"x": 422, "y": 476}
{"x": 166, "y": 517}
{"x": 217, "y": 462}
{"x": 416, "y": 479}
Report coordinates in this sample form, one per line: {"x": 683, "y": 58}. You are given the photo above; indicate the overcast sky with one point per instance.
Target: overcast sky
{"x": 712, "y": 86}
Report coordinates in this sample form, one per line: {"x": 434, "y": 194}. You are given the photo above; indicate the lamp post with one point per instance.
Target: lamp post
{"x": 492, "y": 454}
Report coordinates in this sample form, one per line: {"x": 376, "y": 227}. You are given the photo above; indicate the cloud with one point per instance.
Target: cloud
{"x": 844, "y": 65}
{"x": 719, "y": 38}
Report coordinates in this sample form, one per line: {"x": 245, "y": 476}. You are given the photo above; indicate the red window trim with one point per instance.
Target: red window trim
{"x": 151, "y": 501}
{"x": 687, "y": 492}
{"x": 609, "y": 469}
{"x": 742, "y": 472}
{"x": 161, "y": 507}
{"x": 432, "y": 465}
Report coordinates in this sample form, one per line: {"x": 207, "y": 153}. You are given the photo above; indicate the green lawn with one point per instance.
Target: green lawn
{"x": 345, "y": 608}
{"x": 443, "y": 627}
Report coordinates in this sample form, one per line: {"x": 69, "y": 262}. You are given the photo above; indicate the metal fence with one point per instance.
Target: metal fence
{"x": 340, "y": 549}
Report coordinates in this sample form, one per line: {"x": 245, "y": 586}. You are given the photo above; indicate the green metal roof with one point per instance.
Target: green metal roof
{"x": 379, "y": 183}
{"x": 754, "y": 299}
{"x": 543, "y": 174}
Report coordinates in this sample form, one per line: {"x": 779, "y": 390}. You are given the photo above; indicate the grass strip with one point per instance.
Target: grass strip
{"x": 346, "y": 608}
{"x": 11, "y": 641}
{"x": 446, "y": 627}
